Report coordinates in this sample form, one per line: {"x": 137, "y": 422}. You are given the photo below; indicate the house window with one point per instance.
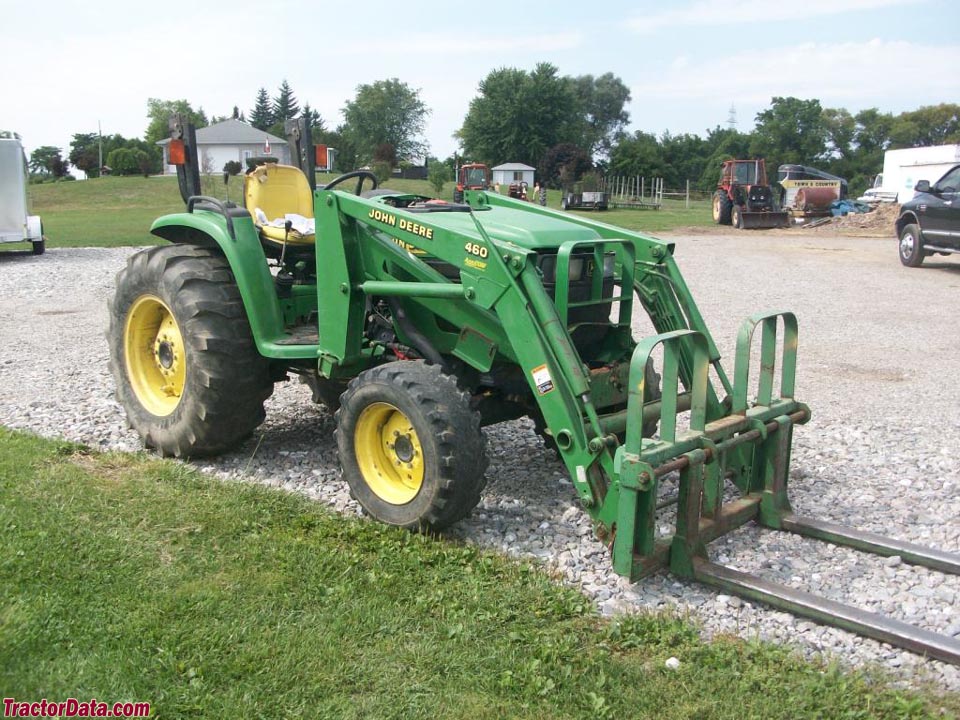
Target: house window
{"x": 518, "y": 175}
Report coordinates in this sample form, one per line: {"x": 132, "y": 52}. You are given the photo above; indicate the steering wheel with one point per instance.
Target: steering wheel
{"x": 362, "y": 174}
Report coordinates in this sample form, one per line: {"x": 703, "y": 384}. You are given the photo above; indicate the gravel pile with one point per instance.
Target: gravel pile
{"x": 878, "y": 365}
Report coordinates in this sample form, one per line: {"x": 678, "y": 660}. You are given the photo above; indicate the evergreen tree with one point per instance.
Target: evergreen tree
{"x": 285, "y": 105}
{"x": 261, "y": 117}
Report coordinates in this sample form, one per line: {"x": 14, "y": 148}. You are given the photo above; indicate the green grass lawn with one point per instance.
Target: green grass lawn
{"x": 118, "y": 211}
{"x": 131, "y": 579}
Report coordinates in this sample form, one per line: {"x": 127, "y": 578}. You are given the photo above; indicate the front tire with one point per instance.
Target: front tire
{"x": 410, "y": 446}
{"x": 736, "y": 217}
{"x": 182, "y": 355}
{"x": 39, "y": 246}
{"x": 911, "y": 245}
{"x": 721, "y": 208}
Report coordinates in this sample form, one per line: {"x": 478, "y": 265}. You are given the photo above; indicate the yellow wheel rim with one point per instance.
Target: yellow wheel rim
{"x": 155, "y": 355}
{"x": 389, "y": 453}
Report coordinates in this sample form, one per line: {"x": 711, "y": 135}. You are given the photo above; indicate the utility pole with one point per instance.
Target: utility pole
{"x": 100, "y": 154}
{"x": 732, "y": 117}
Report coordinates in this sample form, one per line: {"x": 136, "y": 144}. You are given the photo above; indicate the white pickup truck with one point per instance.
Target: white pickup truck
{"x": 16, "y": 225}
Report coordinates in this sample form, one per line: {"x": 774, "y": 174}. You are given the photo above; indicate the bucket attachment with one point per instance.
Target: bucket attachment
{"x": 756, "y": 220}
{"x": 750, "y": 445}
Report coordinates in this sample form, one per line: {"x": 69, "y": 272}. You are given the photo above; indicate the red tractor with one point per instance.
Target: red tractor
{"x": 744, "y": 199}
{"x": 473, "y": 176}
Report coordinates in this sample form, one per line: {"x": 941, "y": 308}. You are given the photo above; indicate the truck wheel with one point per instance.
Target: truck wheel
{"x": 39, "y": 246}
{"x": 410, "y": 445}
{"x": 721, "y": 208}
{"x": 911, "y": 245}
{"x": 182, "y": 355}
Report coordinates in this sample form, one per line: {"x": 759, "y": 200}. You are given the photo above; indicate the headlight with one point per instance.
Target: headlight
{"x": 548, "y": 266}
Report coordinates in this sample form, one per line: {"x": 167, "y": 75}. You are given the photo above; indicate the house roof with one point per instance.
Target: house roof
{"x": 505, "y": 166}
{"x": 232, "y": 132}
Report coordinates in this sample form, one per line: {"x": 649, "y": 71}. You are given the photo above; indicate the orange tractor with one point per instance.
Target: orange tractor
{"x": 744, "y": 199}
{"x": 473, "y": 176}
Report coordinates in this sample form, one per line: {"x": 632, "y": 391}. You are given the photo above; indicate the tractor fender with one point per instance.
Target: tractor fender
{"x": 243, "y": 251}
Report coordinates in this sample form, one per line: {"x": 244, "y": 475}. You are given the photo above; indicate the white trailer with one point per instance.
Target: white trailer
{"x": 16, "y": 224}
{"x": 903, "y": 169}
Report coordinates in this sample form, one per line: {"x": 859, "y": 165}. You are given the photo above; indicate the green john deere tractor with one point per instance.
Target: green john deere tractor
{"x": 419, "y": 321}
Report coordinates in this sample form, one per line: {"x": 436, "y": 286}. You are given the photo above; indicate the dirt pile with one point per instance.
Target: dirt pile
{"x": 880, "y": 220}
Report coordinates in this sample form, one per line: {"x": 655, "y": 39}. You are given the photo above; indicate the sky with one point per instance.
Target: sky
{"x": 70, "y": 65}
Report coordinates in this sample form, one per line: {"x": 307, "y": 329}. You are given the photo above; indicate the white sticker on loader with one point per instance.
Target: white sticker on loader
{"x": 542, "y": 379}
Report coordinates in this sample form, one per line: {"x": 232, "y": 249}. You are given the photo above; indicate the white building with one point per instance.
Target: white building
{"x": 510, "y": 173}
{"x": 231, "y": 140}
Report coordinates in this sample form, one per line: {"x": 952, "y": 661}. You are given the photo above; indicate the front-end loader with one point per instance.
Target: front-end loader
{"x": 745, "y": 199}
{"x": 419, "y": 321}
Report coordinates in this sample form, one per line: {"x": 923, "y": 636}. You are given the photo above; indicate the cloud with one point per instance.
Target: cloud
{"x": 728, "y": 12}
{"x": 842, "y": 74}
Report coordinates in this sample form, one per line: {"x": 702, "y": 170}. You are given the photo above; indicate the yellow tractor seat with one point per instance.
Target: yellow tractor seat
{"x": 277, "y": 190}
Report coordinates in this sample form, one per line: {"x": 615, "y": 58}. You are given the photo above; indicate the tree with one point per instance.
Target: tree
{"x": 927, "y": 125}
{"x": 790, "y": 131}
{"x": 518, "y": 116}
{"x": 438, "y": 174}
{"x": 387, "y": 111}
{"x": 159, "y": 113}
{"x": 285, "y": 106}
{"x": 601, "y": 100}
{"x": 563, "y": 163}
{"x": 128, "y": 161}
{"x": 261, "y": 117}
{"x": 316, "y": 122}
{"x": 640, "y": 155}
{"x": 85, "y": 153}
{"x": 46, "y": 160}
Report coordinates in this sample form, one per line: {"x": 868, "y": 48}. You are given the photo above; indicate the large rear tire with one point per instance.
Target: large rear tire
{"x": 410, "y": 446}
{"x": 721, "y": 208}
{"x": 182, "y": 355}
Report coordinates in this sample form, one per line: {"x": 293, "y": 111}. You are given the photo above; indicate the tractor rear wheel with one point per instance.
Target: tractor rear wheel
{"x": 721, "y": 208}
{"x": 182, "y": 355}
{"x": 410, "y": 446}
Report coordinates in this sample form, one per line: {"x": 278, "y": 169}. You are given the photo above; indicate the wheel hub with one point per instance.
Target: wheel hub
{"x": 403, "y": 448}
{"x": 165, "y": 355}
{"x": 154, "y": 353}
{"x": 389, "y": 453}
{"x": 906, "y": 245}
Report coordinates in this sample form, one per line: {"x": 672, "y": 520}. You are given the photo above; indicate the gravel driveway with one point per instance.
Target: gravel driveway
{"x": 879, "y": 364}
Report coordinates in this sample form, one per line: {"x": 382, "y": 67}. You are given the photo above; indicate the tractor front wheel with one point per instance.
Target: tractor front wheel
{"x": 410, "y": 446}
{"x": 182, "y": 355}
{"x": 721, "y": 208}
{"x": 736, "y": 216}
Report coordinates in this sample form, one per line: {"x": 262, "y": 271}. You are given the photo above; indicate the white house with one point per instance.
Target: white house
{"x": 231, "y": 140}
{"x": 510, "y": 173}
